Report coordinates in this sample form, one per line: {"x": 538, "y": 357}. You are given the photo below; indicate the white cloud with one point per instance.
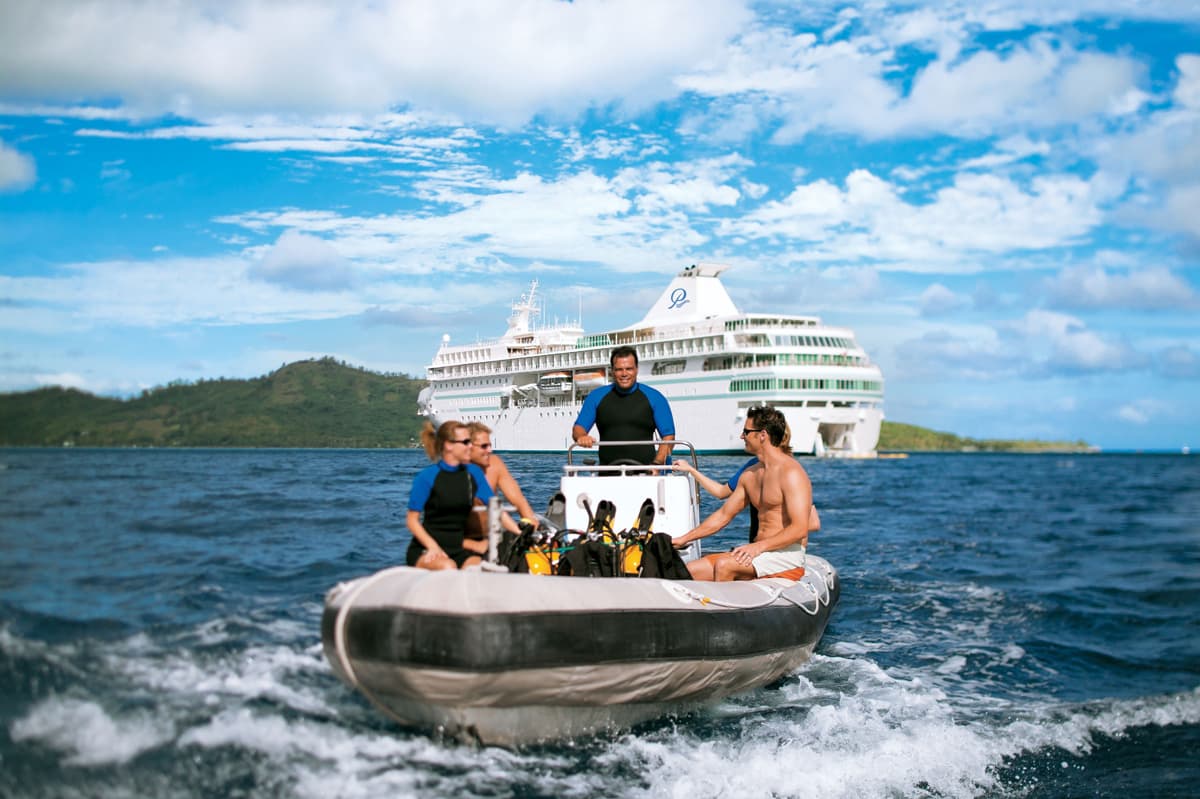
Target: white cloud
{"x": 397, "y": 137}
{"x": 938, "y": 300}
{"x": 1132, "y": 413}
{"x": 693, "y": 186}
{"x": 976, "y": 214}
{"x": 1006, "y": 151}
{"x": 1064, "y": 344}
{"x": 304, "y": 262}
{"x": 158, "y": 294}
{"x": 848, "y": 85}
{"x": 501, "y": 62}
{"x": 1150, "y": 288}
{"x": 1039, "y": 345}
{"x": 610, "y": 145}
{"x": 1182, "y": 209}
{"x": 1161, "y": 153}
{"x": 636, "y": 220}
{"x": 17, "y": 170}
{"x": 1143, "y": 411}
{"x": 971, "y": 353}
{"x": 64, "y": 379}
{"x": 1187, "y": 88}
{"x": 1179, "y": 363}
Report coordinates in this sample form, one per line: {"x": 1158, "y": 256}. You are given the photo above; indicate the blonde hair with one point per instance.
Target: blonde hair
{"x": 478, "y": 427}
{"x": 435, "y": 440}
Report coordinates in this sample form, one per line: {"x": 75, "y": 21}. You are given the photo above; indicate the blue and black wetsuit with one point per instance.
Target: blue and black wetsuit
{"x": 631, "y": 415}
{"x": 444, "y": 495}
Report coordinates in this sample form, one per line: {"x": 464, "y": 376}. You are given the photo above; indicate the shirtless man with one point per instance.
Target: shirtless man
{"x": 497, "y": 473}
{"x": 779, "y": 488}
{"x": 723, "y": 490}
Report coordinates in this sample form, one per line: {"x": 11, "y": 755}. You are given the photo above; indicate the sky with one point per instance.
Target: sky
{"x": 1000, "y": 199}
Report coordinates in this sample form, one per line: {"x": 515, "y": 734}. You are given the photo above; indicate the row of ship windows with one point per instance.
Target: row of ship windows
{"x": 779, "y": 383}
{"x": 649, "y": 350}
{"x": 756, "y": 321}
{"x": 763, "y": 340}
{"x": 725, "y": 363}
{"x": 671, "y": 367}
{"x": 815, "y": 383}
{"x": 782, "y": 359}
{"x": 579, "y": 359}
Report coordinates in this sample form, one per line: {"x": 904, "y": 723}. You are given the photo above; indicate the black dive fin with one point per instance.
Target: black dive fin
{"x": 556, "y": 510}
{"x": 645, "y": 517}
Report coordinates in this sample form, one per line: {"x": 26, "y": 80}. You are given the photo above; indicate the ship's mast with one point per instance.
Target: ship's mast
{"x": 524, "y": 309}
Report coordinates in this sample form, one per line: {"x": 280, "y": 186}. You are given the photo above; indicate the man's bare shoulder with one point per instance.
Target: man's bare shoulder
{"x": 751, "y": 474}
{"x": 793, "y": 474}
{"x": 495, "y": 469}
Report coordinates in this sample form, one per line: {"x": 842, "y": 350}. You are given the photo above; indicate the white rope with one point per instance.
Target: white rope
{"x": 687, "y": 595}
{"x": 819, "y": 597}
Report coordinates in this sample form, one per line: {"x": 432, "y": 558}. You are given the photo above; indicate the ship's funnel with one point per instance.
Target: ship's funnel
{"x": 695, "y": 294}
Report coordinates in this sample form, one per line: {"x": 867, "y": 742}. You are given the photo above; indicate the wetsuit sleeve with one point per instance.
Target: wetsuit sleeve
{"x": 664, "y": 421}
{"x": 483, "y": 491}
{"x": 421, "y": 487}
{"x": 738, "y": 474}
{"x": 587, "y": 414}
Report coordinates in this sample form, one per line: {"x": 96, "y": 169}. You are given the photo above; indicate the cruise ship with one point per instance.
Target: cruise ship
{"x": 710, "y": 360}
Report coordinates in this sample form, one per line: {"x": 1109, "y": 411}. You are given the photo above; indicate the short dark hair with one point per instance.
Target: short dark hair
{"x": 624, "y": 351}
{"x": 764, "y": 417}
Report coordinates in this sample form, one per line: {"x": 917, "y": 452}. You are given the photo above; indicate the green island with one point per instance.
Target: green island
{"x": 313, "y": 403}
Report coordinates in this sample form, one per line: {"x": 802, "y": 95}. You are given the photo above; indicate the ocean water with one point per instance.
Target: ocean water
{"x": 1010, "y": 625}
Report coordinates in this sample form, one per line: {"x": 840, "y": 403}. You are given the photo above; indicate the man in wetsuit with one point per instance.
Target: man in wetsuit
{"x": 626, "y": 410}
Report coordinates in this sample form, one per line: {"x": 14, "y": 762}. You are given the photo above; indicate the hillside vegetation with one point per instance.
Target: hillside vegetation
{"x": 317, "y": 403}
{"x": 895, "y": 437}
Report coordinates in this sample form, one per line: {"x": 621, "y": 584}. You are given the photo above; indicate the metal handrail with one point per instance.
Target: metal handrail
{"x": 656, "y": 442}
{"x": 571, "y": 468}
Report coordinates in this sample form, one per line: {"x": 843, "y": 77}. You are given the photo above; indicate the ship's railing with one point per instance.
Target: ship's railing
{"x": 627, "y": 467}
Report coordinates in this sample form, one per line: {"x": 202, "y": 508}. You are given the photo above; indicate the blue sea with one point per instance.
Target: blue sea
{"x": 1009, "y": 626}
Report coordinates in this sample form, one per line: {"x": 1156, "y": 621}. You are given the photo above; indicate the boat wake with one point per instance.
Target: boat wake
{"x": 145, "y": 715}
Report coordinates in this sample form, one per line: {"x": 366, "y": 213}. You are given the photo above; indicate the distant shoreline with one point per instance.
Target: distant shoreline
{"x": 314, "y": 404}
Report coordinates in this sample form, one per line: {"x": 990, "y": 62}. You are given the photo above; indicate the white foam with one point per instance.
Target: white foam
{"x": 87, "y": 734}
{"x": 884, "y": 737}
{"x": 257, "y": 672}
{"x": 1075, "y": 728}
{"x": 952, "y": 665}
{"x": 324, "y": 759}
{"x": 59, "y": 656}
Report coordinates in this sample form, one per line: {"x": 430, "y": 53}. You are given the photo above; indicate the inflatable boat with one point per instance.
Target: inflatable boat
{"x": 509, "y": 659}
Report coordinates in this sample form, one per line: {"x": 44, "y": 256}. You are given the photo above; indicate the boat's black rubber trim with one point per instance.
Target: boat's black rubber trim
{"x": 499, "y": 641}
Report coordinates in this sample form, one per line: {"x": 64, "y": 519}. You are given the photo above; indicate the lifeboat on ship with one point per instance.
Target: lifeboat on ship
{"x": 501, "y": 658}
{"x": 554, "y": 383}
{"x": 586, "y": 381}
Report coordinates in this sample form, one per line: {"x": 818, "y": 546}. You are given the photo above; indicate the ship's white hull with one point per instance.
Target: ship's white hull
{"x": 713, "y": 425}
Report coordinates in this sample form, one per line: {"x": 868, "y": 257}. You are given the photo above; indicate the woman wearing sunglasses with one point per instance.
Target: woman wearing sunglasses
{"x": 443, "y": 497}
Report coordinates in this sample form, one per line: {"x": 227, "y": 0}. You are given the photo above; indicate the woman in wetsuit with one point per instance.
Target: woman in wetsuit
{"x": 443, "y": 496}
